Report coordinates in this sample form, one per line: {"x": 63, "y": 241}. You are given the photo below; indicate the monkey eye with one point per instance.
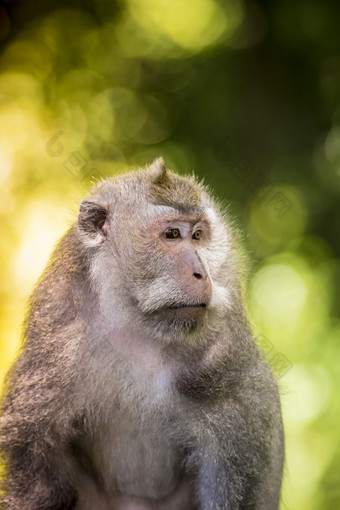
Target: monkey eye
{"x": 172, "y": 233}
{"x": 197, "y": 235}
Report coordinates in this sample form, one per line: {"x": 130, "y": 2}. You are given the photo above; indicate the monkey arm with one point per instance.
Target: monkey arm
{"x": 241, "y": 454}
{"x": 33, "y": 441}
{"x": 34, "y": 481}
{"x": 35, "y": 414}
{"x": 239, "y": 433}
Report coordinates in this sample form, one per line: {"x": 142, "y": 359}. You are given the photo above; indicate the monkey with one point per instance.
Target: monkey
{"x": 139, "y": 385}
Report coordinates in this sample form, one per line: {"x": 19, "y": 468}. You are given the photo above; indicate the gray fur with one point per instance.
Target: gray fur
{"x": 117, "y": 402}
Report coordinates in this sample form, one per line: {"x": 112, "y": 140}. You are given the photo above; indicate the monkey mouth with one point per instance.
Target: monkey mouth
{"x": 187, "y": 312}
{"x": 183, "y": 306}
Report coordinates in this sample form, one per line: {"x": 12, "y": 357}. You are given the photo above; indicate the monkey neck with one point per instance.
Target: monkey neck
{"x": 140, "y": 347}
{"x": 136, "y": 348}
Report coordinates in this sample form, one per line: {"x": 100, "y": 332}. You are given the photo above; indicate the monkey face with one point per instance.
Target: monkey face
{"x": 172, "y": 282}
{"x": 158, "y": 250}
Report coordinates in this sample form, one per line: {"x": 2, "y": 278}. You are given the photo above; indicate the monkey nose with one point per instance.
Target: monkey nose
{"x": 203, "y": 277}
{"x": 202, "y": 284}
{"x": 198, "y": 270}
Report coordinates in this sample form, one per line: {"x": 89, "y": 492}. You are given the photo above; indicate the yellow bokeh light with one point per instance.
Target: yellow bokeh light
{"x": 191, "y": 26}
{"x": 100, "y": 116}
{"x": 42, "y": 225}
{"x": 307, "y": 398}
{"x": 308, "y": 395}
{"x": 22, "y": 127}
{"x": 279, "y": 292}
{"x": 22, "y": 88}
{"x": 289, "y": 300}
{"x": 306, "y": 458}
{"x": 6, "y": 158}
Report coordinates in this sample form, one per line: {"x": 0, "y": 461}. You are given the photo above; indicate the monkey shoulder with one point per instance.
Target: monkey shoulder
{"x": 62, "y": 294}
{"x": 226, "y": 372}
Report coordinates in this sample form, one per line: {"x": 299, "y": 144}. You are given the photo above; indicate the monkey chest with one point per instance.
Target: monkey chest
{"x": 139, "y": 460}
{"x": 137, "y": 451}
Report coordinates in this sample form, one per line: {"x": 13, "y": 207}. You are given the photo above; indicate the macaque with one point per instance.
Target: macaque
{"x": 139, "y": 385}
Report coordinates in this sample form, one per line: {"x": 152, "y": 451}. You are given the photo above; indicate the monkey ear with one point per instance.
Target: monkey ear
{"x": 93, "y": 222}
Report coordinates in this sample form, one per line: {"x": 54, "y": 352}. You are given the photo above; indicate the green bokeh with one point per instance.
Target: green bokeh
{"x": 247, "y": 95}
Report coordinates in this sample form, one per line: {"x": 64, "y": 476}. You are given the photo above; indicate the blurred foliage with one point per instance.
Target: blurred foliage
{"x": 246, "y": 94}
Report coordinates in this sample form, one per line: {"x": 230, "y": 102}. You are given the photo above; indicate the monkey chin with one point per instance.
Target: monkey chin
{"x": 181, "y": 318}
{"x": 187, "y": 312}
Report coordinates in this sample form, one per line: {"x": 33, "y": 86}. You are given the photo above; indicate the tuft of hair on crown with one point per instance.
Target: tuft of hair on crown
{"x": 171, "y": 189}
{"x": 160, "y": 172}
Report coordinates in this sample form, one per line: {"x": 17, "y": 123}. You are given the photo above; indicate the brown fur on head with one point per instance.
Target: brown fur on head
{"x": 167, "y": 188}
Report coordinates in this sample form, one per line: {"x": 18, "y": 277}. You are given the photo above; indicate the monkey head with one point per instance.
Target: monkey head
{"x": 156, "y": 245}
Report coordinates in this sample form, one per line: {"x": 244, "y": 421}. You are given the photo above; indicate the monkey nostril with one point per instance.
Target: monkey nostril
{"x": 198, "y": 276}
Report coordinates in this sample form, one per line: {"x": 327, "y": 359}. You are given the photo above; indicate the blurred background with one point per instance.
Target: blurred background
{"x": 244, "y": 93}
